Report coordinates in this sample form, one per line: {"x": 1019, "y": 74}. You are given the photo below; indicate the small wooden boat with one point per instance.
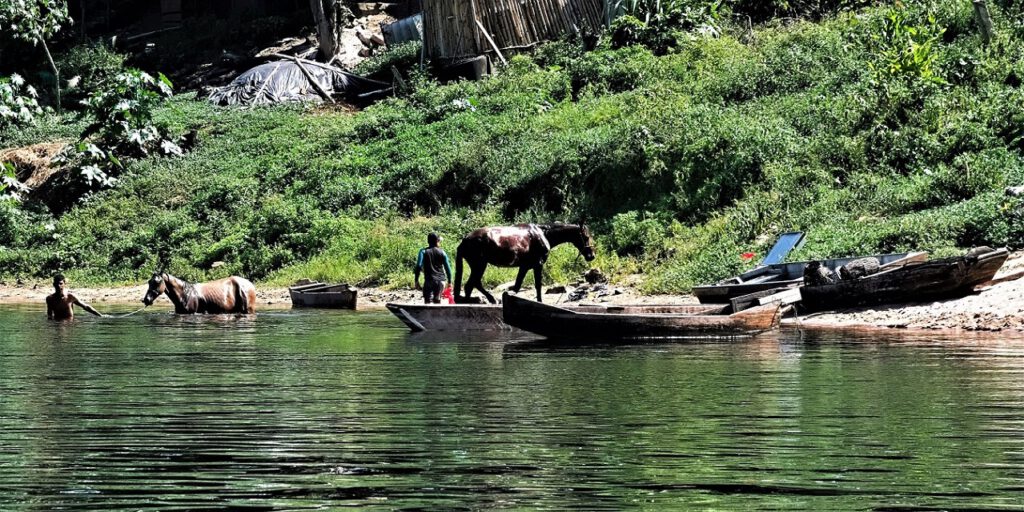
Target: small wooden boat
{"x": 637, "y": 322}
{"x": 916, "y": 282}
{"x": 320, "y": 295}
{"x": 449, "y": 317}
{"x": 785, "y": 275}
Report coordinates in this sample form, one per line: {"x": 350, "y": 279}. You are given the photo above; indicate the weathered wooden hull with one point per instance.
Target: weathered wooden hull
{"x": 450, "y": 317}
{"x": 319, "y": 295}
{"x": 781, "y": 276}
{"x": 920, "y": 282}
{"x": 489, "y": 317}
{"x": 613, "y": 325}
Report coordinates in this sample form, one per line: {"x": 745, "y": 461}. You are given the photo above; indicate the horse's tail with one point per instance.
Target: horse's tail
{"x": 458, "y": 271}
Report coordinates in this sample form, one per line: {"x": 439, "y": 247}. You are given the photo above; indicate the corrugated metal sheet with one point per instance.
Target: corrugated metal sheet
{"x": 403, "y": 30}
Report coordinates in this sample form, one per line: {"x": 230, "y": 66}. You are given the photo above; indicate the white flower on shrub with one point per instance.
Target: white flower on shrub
{"x": 170, "y": 148}
{"x": 463, "y": 104}
{"x": 11, "y": 188}
{"x": 93, "y": 173}
{"x": 94, "y": 151}
{"x": 136, "y": 137}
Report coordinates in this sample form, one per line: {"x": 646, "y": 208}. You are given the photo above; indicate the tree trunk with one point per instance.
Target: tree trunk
{"x": 330, "y": 17}
{"x": 984, "y": 20}
{"x": 56, "y": 74}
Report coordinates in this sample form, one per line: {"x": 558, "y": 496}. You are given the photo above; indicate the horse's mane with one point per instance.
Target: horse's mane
{"x": 188, "y": 289}
{"x": 556, "y": 225}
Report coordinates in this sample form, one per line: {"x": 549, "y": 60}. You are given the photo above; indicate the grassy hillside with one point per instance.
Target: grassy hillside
{"x": 888, "y": 129}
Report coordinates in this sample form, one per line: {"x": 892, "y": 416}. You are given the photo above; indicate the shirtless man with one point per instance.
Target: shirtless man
{"x": 61, "y": 305}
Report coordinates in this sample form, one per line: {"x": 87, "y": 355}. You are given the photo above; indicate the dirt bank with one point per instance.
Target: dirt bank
{"x": 994, "y": 308}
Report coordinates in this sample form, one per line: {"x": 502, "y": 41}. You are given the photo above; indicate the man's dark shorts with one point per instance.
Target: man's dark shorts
{"x": 432, "y": 291}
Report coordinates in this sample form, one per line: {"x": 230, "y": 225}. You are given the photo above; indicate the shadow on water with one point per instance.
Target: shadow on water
{"x": 305, "y": 409}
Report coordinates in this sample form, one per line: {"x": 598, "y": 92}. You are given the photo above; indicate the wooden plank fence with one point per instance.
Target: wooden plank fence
{"x": 451, "y": 31}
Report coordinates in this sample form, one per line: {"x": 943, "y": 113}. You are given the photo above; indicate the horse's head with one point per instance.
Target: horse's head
{"x": 157, "y": 286}
{"x": 586, "y": 243}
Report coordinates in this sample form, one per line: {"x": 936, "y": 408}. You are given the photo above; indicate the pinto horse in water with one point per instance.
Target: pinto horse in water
{"x": 524, "y": 245}
{"x": 230, "y": 295}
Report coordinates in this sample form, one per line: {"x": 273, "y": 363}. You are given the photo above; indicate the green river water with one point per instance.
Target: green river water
{"x": 321, "y": 410}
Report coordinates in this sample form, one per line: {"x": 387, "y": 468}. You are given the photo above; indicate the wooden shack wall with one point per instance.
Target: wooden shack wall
{"x": 451, "y": 33}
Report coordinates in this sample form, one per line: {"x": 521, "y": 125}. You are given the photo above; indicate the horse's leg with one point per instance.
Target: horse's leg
{"x": 458, "y": 274}
{"x": 520, "y": 277}
{"x": 538, "y": 273}
{"x": 470, "y": 283}
{"x": 476, "y": 281}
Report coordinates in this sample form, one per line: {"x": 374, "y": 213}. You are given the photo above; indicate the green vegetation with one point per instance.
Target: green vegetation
{"x": 884, "y": 129}
{"x": 18, "y": 105}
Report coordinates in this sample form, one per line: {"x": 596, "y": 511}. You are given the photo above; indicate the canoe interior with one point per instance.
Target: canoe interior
{"x": 611, "y": 324}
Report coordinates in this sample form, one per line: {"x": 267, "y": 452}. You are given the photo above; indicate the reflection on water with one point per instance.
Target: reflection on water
{"x": 320, "y": 409}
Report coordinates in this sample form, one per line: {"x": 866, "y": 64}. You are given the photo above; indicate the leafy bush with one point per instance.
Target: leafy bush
{"x": 762, "y": 10}
{"x": 10, "y": 188}
{"x": 633, "y": 232}
{"x": 558, "y": 54}
{"x": 90, "y": 67}
{"x": 123, "y": 127}
{"x": 18, "y": 105}
{"x": 905, "y": 50}
{"x": 661, "y": 25}
{"x": 403, "y": 57}
{"x": 613, "y": 71}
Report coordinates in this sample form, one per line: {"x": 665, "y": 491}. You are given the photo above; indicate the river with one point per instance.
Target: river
{"x": 310, "y": 410}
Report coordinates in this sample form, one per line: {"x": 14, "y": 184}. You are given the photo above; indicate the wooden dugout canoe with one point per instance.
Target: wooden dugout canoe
{"x": 449, "y": 317}
{"x": 320, "y": 295}
{"x": 916, "y": 282}
{"x": 625, "y": 322}
{"x": 785, "y": 275}
{"x": 489, "y": 317}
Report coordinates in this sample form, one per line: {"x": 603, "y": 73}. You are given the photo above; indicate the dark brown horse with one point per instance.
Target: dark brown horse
{"x": 230, "y": 295}
{"x": 524, "y": 245}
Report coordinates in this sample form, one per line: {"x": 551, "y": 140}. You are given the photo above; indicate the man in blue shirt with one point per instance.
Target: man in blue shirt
{"x": 433, "y": 262}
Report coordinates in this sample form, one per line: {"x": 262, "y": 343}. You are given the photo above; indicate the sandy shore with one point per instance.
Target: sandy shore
{"x": 993, "y": 308}
{"x": 35, "y": 292}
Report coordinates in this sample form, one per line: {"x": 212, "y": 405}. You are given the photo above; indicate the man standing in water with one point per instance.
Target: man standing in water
{"x": 61, "y": 305}
{"x": 433, "y": 262}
